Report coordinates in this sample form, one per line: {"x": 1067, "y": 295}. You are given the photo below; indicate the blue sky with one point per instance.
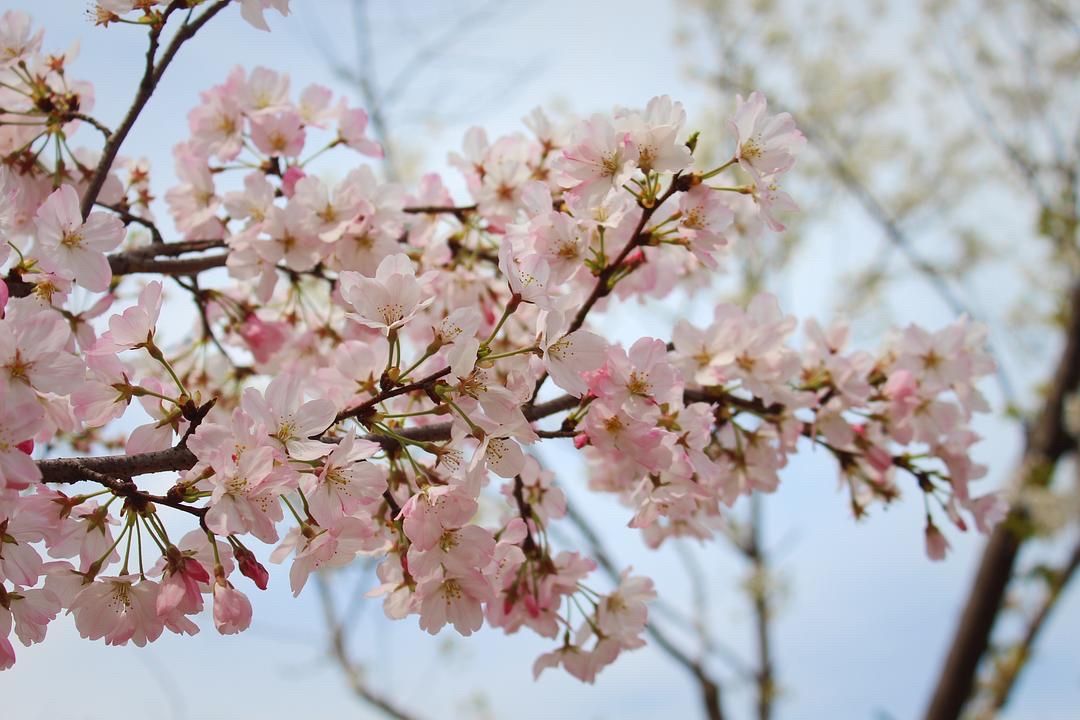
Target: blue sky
{"x": 865, "y": 618}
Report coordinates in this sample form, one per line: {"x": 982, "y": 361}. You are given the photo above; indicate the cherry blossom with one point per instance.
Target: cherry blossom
{"x": 765, "y": 144}
{"x": 74, "y": 248}
{"x": 389, "y": 300}
{"x": 373, "y": 366}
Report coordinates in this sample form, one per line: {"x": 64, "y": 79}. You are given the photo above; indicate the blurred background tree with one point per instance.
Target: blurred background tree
{"x": 952, "y": 126}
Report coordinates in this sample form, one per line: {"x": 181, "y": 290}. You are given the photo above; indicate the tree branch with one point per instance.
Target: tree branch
{"x": 149, "y": 82}
{"x": 353, "y": 673}
{"x": 1002, "y": 685}
{"x": 1046, "y": 442}
{"x": 711, "y": 694}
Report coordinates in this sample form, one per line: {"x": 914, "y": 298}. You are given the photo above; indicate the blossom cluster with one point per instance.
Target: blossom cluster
{"x": 371, "y": 362}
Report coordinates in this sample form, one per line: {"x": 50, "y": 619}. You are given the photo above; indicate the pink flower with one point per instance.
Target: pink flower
{"x": 323, "y": 548}
{"x": 194, "y": 202}
{"x": 601, "y": 159}
{"x": 167, "y": 420}
{"x": 616, "y": 433}
{"x": 32, "y": 609}
{"x": 20, "y": 562}
{"x": 118, "y": 609}
{"x": 568, "y": 356}
{"x": 217, "y": 126}
{"x": 345, "y": 482}
{"x": 563, "y": 243}
{"x": 428, "y": 513}
{"x": 314, "y": 105}
{"x": 704, "y": 215}
{"x": 655, "y": 135}
{"x": 34, "y": 354}
{"x": 290, "y": 420}
{"x": 232, "y": 609}
{"x": 643, "y": 378}
{"x": 462, "y": 550}
{"x": 72, "y": 248}
{"x": 19, "y": 422}
{"x": 988, "y": 510}
{"x": 245, "y": 496}
{"x": 765, "y": 144}
{"x": 134, "y": 328}
{"x": 770, "y": 198}
{"x": 264, "y": 91}
{"x": 179, "y": 590}
{"x": 582, "y": 664}
{"x": 622, "y": 614}
{"x": 351, "y": 130}
{"x": 456, "y": 599}
{"x": 252, "y": 11}
{"x": 89, "y": 535}
{"x": 527, "y": 273}
{"x": 389, "y": 300}
{"x": 279, "y": 135}
{"x": 327, "y": 214}
{"x": 17, "y": 42}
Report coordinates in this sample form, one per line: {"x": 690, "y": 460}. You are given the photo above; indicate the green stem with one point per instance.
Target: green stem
{"x": 717, "y": 171}
{"x": 292, "y": 510}
{"x": 507, "y": 312}
{"x": 522, "y": 351}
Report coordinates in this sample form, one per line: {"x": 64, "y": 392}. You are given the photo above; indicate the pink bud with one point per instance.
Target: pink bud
{"x": 635, "y": 258}
{"x": 936, "y": 544}
{"x": 232, "y": 609}
{"x": 251, "y": 568}
{"x": 27, "y": 446}
{"x": 531, "y": 606}
{"x": 288, "y": 181}
{"x": 4, "y": 295}
{"x": 581, "y": 440}
{"x": 263, "y": 338}
{"x": 878, "y": 458}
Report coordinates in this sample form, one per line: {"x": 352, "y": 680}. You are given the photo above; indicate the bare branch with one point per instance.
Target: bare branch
{"x": 711, "y": 692}
{"x": 338, "y": 650}
{"x": 149, "y": 82}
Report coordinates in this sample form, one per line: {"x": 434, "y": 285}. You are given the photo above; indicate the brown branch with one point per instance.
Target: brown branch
{"x": 338, "y": 650}
{"x": 70, "y": 470}
{"x": 458, "y": 211}
{"x": 603, "y": 285}
{"x": 128, "y": 217}
{"x": 710, "y": 690}
{"x": 125, "y": 265}
{"x": 368, "y": 406}
{"x": 1002, "y": 686}
{"x": 149, "y": 82}
{"x": 146, "y": 259}
{"x": 91, "y": 122}
{"x": 766, "y": 672}
{"x": 1047, "y": 441}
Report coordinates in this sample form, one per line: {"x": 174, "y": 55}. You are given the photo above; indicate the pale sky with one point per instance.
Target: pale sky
{"x": 866, "y": 617}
